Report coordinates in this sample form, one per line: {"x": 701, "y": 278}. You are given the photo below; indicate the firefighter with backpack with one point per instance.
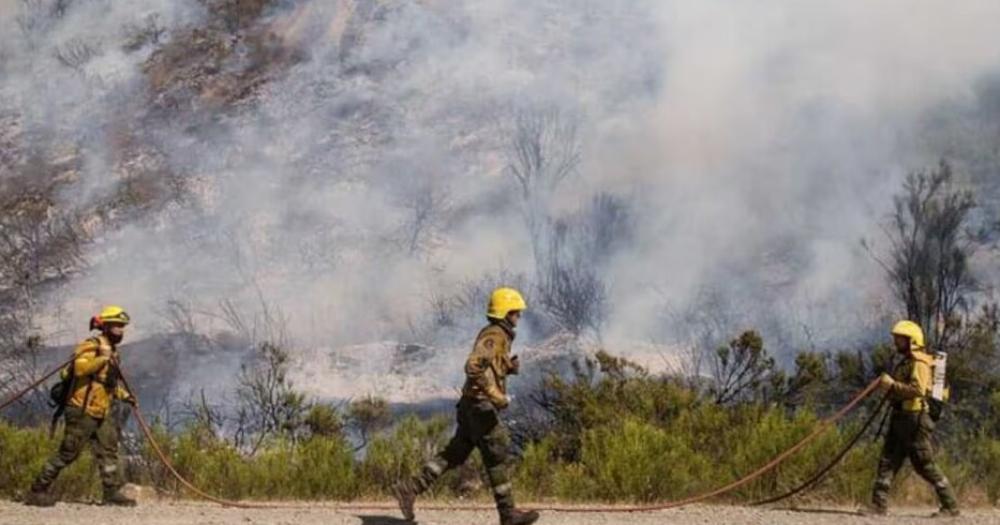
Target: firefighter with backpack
{"x": 88, "y": 388}
{"x": 915, "y": 403}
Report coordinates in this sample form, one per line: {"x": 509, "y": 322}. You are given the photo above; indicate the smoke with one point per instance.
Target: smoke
{"x": 779, "y": 135}
{"x": 365, "y": 174}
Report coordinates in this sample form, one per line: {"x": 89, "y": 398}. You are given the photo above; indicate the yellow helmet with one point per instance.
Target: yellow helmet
{"x": 910, "y": 330}
{"x": 111, "y": 315}
{"x": 504, "y": 301}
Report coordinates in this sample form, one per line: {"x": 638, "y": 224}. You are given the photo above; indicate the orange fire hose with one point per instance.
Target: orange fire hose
{"x": 816, "y": 478}
{"x": 820, "y": 429}
{"x": 32, "y": 386}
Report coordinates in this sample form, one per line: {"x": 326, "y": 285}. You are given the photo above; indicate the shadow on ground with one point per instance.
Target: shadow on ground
{"x": 821, "y": 511}
{"x": 383, "y": 520}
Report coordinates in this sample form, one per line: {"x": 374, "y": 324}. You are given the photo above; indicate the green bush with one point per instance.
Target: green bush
{"x": 400, "y": 453}
{"x": 23, "y": 453}
{"x": 618, "y": 434}
{"x": 316, "y": 468}
{"x": 985, "y": 453}
{"x": 536, "y": 474}
{"x": 634, "y": 460}
{"x": 629, "y": 460}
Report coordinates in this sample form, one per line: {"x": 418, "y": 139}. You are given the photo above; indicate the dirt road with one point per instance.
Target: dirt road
{"x": 185, "y": 513}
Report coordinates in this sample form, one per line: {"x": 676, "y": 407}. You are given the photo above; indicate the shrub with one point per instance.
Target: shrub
{"x": 316, "y": 468}
{"x": 634, "y": 460}
{"x": 23, "y": 453}
{"x": 400, "y": 454}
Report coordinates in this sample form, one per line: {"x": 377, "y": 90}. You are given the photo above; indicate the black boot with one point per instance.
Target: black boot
{"x": 40, "y": 499}
{"x": 39, "y": 496}
{"x": 519, "y": 517}
{"x": 114, "y": 497}
{"x": 947, "y": 512}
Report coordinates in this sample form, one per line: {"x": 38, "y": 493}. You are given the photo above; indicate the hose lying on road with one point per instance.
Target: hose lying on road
{"x": 821, "y": 428}
{"x": 822, "y": 473}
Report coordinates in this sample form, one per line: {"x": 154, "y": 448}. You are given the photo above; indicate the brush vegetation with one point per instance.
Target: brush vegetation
{"x": 614, "y": 433}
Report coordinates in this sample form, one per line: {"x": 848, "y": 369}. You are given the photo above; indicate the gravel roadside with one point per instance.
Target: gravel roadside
{"x": 189, "y": 513}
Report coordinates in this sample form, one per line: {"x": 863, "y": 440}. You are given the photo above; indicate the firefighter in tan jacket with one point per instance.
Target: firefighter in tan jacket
{"x": 479, "y": 424}
{"x": 94, "y": 387}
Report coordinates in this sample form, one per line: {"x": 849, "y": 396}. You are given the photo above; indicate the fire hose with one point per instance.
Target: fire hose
{"x": 820, "y": 429}
{"x": 13, "y": 399}
{"x": 823, "y": 472}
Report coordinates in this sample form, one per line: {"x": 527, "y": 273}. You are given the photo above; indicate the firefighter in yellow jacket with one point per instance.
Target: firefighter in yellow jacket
{"x": 479, "y": 424}
{"x": 88, "y": 417}
{"x": 911, "y": 426}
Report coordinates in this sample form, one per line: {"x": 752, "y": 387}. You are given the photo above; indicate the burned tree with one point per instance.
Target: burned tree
{"x": 543, "y": 150}
{"x": 269, "y": 405}
{"x": 571, "y": 253}
{"x": 570, "y": 289}
{"x": 423, "y": 196}
{"x": 930, "y": 244}
{"x": 40, "y": 248}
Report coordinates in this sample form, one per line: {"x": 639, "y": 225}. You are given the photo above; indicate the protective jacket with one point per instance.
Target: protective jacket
{"x": 913, "y": 382}
{"x": 95, "y": 373}
{"x": 489, "y": 364}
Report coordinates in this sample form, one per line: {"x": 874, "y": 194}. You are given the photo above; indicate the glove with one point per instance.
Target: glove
{"x": 501, "y": 404}
{"x": 885, "y": 382}
{"x": 515, "y": 365}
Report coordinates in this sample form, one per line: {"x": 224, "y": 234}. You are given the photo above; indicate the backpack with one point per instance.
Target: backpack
{"x": 940, "y": 389}
{"x": 61, "y": 391}
{"x": 59, "y": 395}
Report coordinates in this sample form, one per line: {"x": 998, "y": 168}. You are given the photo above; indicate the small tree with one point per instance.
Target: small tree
{"x": 930, "y": 244}
{"x": 425, "y": 206}
{"x": 268, "y": 402}
{"x": 324, "y": 421}
{"x": 367, "y": 416}
{"x": 599, "y": 391}
{"x": 570, "y": 289}
{"x": 974, "y": 371}
{"x": 742, "y": 370}
{"x": 207, "y": 420}
{"x": 543, "y": 150}
{"x": 41, "y": 247}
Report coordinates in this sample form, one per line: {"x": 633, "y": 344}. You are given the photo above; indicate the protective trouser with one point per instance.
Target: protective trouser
{"x": 102, "y": 434}
{"x": 910, "y": 437}
{"x": 478, "y": 427}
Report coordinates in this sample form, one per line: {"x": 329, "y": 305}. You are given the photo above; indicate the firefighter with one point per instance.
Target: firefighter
{"x": 910, "y": 426}
{"x": 479, "y": 426}
{"x": 95, "y": 385}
